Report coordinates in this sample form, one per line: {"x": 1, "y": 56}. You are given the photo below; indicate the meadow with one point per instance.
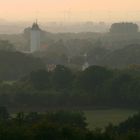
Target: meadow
{"x": 101, "y": 118}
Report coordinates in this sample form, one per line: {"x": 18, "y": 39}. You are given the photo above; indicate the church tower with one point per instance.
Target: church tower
{"x": 35, "y": 37}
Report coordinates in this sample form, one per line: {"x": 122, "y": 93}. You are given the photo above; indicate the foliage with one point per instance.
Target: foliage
{"x": 14, "y": 65}
{"x": 96, "y": 86}
{"x": 64, "y": 125}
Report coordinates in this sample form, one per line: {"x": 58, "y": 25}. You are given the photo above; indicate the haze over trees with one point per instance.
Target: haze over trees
{"x": 63, "y": 88}
{"x": 124, "y": 28}
{"x": 14, "y": 64}
{"x": 111, "y": 81}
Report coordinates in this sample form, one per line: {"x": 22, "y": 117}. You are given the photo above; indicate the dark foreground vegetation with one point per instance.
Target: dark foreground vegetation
{"x": 62, "y": 88}
{"x": 62, "y": 125}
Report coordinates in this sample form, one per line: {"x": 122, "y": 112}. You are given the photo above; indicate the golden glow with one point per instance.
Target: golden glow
{"x": 72, "y": 10}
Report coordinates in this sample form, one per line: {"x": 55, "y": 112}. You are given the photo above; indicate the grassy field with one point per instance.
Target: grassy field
{"x": 101, "y": 118}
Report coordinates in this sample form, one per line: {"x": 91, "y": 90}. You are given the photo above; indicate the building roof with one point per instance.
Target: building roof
{"x": 35, "y": 26}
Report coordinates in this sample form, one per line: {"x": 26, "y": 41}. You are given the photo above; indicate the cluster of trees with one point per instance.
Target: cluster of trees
{"x": 127, "y": 130}
{"x": 14, "y": 65}
{"x": 119, "y": 58}
{"x": 63, "y": 88}
{"x": 97, "y": 54}
{"x": 6, "y": 45}
{"x": 110, "y": 49}
{"x": 64, "y": 125}
{"x": 57, "y": 125}
{"x": 122, "y": 57}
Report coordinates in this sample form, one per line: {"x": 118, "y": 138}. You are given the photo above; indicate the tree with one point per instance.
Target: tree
{"x": 40, "y": 79}
{"x": 71, "y": 118}
{"x": 33, "y": 117}
{"x": 6, "y": 45}
{"x": 14, "y": 65}
{"x": 4, "y": 115}
{"x": 95, "y": 55}
{"x": 93, "y": 78}
{"x": 62, "y": 77}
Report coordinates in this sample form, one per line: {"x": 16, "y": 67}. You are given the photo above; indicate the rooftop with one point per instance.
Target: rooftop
{"x": 35, "y": 26}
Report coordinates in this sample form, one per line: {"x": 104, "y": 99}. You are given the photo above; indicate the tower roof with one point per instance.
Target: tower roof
{"x": 35, "y": 26}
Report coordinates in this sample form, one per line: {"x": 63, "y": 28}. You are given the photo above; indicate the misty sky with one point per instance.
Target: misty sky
{"x": 70, "y": 10}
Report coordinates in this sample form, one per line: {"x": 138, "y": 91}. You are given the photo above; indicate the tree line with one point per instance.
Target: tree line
{"x": 96, "y": 86}
{"x": 62, "y": 125}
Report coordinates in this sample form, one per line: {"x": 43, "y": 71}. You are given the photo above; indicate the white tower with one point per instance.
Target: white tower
{"x": 35, "y": 38}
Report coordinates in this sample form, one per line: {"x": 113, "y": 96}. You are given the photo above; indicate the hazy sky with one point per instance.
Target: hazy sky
{"x": 70, "y": 10}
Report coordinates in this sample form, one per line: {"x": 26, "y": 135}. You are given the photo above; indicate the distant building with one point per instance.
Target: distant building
{"x": 35, "y": 38}
{"x": 51, "y": 67}
{"x": 86, "y": 64}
